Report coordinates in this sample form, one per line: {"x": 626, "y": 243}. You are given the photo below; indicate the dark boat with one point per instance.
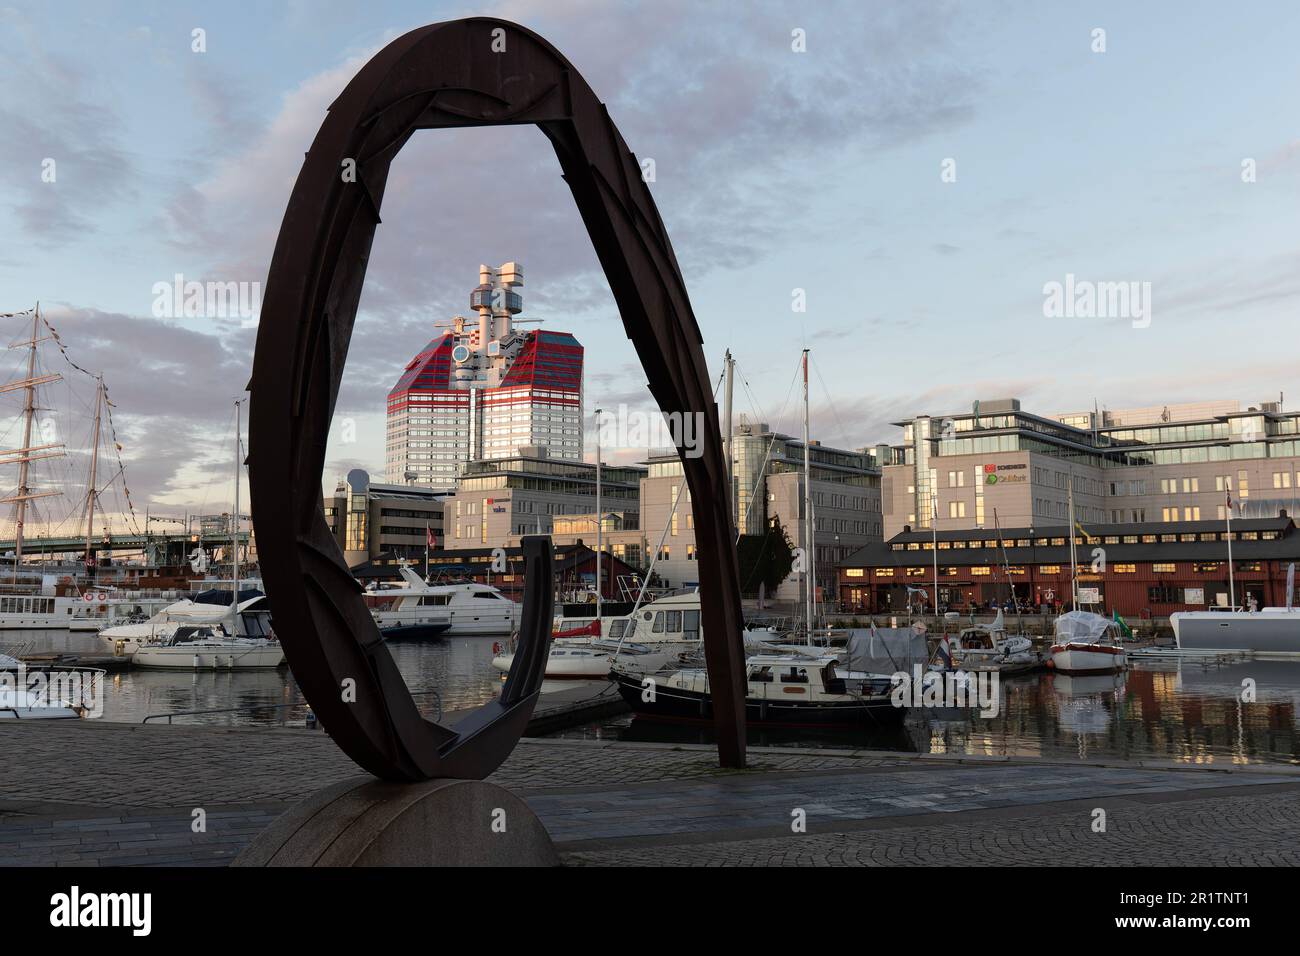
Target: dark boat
{"x": 415, "y": 632}
{"x": 785, "y": 690}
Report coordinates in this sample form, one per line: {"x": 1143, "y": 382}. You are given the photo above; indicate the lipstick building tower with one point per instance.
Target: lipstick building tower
{"x": 484, "y": 388}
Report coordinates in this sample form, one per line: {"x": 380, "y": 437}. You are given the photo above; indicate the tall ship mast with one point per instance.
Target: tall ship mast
{"x": 25, "y": 455}
{"x": 33, "y": 376}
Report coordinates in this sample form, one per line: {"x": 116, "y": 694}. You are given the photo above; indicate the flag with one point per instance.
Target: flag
{"x": 1229, "y": 493}
{"x": 1086, "y": 537}
{"x": 1123, "y": 627}
{"x": 428, "y": 539}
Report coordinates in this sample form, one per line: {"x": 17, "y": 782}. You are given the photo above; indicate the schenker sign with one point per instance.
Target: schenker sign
{"x": 998, "y": 473}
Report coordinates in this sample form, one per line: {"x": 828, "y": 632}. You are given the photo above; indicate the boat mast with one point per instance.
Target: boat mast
{"x": 234, "y": 538}
{"x": 730, "y": 365}
{"x": 24, "y": 493}
{"x": 91, "y": 494}
{"x": 1074, "y": 564}
{"x": 600, "y": 524}
{"x": 1006, "y": 567}
{"x": 810, "y": 573}
{"x": 934, "y": 546}
{"x": 1232, "y": 590}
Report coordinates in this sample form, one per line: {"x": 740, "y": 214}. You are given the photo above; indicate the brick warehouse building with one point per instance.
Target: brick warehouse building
{"x": 1150, "y": 570}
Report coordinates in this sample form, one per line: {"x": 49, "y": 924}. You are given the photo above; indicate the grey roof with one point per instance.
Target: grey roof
{"x": 1285, "y": 547}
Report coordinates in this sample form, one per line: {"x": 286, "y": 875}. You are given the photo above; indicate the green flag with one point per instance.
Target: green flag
{"x": 1124, "y": 628}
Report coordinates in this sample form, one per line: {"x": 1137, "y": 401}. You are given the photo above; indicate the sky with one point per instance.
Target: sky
{"x": 917, "y": 173}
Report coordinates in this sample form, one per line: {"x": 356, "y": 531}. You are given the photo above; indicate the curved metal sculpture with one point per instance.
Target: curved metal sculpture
{"x": 473, "y": 72}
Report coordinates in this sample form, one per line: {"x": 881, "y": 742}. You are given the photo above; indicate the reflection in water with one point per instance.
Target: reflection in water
{"x": 459, "y": 669}
{"x": 1183, "y": 712}
{"x": 1176, "y": 711}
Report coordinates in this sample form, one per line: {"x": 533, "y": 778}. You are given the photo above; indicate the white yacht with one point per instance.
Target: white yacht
{"x": 206, "y": 607}
{"x": 649, "y": 639}
{"x": 209, "y": 647}
{"x": 69, "y": 694}
{"x": 418, "y": 610}
{"x": 1273, "y": 630}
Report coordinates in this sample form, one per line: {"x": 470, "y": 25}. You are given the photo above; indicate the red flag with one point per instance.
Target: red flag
{"x": 428, "y": 538}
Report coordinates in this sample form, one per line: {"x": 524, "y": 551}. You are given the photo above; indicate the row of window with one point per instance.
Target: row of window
{"x": 1048, "y": 570}
{"x": 1083, "y": 541}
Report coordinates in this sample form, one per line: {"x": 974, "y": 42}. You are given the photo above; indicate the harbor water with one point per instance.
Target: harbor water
{"x": 1183, "y": 711}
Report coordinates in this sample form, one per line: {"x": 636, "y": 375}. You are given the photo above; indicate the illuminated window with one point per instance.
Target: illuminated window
{"x": 854, "y": 572}
{"x": 1164, "y": 568}
{"x": 1124, "y": 568}
{"x": 980, "y": 572}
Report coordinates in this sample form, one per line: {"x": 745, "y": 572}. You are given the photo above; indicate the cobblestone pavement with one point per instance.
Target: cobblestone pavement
{"x": 97, "y": 764}
{"x": 82, "y": 794}
{"x": 1261, "y": 830}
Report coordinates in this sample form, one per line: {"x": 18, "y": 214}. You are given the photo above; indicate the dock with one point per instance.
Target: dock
{"x": 90, "y": 793}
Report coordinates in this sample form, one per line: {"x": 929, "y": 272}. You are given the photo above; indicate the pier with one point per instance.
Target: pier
{"x": 87, "y": 793}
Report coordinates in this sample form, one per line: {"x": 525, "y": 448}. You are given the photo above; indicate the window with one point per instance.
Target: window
{"x": 853, "y": 572}
{"x": 1164, "y": 567}
{"x": 1191, "y": 485}
{"x": 884, "y": 572}
{"x": 1124, "y": 568}
{"x": 1192, "y": 514}
{"x": 981, "y": 571}
{"x": 1206, "y": 567}
{"x": 1050, "y": 569}
{"x": 1281, "y": 479}
{"x": 957, "y": 509}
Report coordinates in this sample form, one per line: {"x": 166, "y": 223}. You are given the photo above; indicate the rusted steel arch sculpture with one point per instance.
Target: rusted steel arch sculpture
{"x": 473, "y": 72}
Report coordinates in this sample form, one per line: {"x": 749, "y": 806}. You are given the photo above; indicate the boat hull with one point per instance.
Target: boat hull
{"x": 208, "y": 658}
{"x": 416, "y": 632}
{"x": 1084, "y": 659}
{"x": 679, "y": 704}
{"x": 1262, "y": 632}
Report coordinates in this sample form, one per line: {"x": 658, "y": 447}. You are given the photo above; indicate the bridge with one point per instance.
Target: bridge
{"x": 177, "y": 545}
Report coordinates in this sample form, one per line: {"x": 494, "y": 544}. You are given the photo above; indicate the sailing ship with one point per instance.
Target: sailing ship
{"x": 27, "y": 604}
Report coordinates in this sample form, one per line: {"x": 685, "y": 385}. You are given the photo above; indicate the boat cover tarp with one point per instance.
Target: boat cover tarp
{"x": 1081, "y": 627}
{"x": 222, "y": 598}
{"x": 885, "y": 650}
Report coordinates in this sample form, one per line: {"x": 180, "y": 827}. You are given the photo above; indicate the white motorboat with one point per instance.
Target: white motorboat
{"x": 419, "y": 611}
{"x": 29, "y": 692}
{"x": 1086, "y": 643}
{"x": 653, "y": 637}
{"x": 1273, "y": 630}
{"x": 982, "y": 647}
{"x": 206, "y": 607}
{"x": 208, "y": 647}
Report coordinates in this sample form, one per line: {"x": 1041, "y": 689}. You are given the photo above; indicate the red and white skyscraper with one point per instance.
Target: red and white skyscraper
{"x": 485, "y": 389}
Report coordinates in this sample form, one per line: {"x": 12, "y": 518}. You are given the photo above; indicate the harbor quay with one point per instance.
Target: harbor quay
{"x": 97, "y": 794}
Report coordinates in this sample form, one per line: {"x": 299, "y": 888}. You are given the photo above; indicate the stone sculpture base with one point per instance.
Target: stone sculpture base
{"x": 363, "y": 821}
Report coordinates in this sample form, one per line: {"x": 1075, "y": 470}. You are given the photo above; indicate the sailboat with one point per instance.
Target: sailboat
{"x": 26, "y": 605}
{"x": 1084, "y": 643}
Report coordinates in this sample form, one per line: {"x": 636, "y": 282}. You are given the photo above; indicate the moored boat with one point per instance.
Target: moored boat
{"x": 416, "y": 610}
{"x": 781, "y": 690}
{"x": 208, "y": 647}
{"x": 1086, "y": 643}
